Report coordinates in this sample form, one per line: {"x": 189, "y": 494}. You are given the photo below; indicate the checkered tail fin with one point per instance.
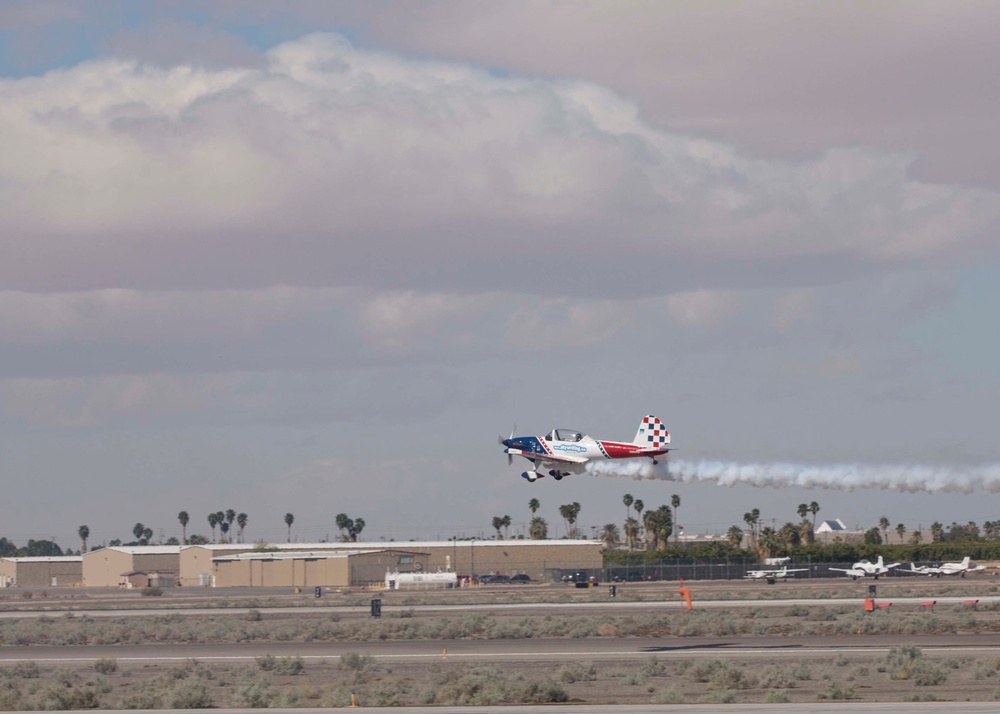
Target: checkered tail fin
{"x": 652, "y": 434}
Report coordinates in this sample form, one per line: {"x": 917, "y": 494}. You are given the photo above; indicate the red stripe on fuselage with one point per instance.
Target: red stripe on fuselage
{"x": 623, "y": 450}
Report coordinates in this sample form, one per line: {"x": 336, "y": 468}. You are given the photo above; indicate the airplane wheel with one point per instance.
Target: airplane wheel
{"x": 557, "y": 477}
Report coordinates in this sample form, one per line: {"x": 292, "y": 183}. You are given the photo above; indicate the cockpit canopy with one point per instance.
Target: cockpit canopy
{"x": 564, "y": 435}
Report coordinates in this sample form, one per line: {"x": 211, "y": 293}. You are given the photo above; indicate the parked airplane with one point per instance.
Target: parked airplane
{"x": 945, "y": 568}
{"x": 771, "y": 576}
{"x": 562, "y": 452}
{"x": 866, "y": 569}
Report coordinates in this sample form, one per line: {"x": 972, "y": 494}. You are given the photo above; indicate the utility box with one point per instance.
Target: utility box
{"x": 317, "y": 591}
{"x": 612, "y": 591}
{"x": 376, "y": 607}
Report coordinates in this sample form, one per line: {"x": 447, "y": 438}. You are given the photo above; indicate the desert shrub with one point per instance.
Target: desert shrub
{"x": 189, "y": 694}
{"x": 56, "y": 696}
{"x": 801, "y": 672}
{"x": 289, "y": 666}
{"x": 106, "y": 666}
{"x": 253, "y": 615}
{"x": 729, "y": 677}
{"x": 842, "y": 660}
{"x": 668, "y": 696}
{"x": 266, "y": 662}
{"x": 719, "y": 696}
{"x": 777, "y": 696}
{"x": 652, "y": 667}
{"x": 478, "y": 686}
{"x": 356, "y": 662}
{"x": 577, "y": 672}
{"x": 837, "y": 692}
{"x": 797, "y": 611}
{"x": 151, "y": 592}
{"x": 547, "y": 692}
{"x": 27, "y": 670}
{"x": 702, "y": 670}
{"x": 775, "y": 678}
{"x": 252, "y": 691}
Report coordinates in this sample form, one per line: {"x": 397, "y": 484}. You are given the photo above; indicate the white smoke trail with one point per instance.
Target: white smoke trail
{"x": 841, "y": 477}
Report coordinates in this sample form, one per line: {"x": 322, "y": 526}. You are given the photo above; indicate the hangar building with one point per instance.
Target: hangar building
{"x": 128, "y": 565}
{"x": 536, "y": 558}
{"x": 42, "y": 572}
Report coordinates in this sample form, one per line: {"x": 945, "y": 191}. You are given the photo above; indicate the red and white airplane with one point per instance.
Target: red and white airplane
{"x": 562, "y": 452}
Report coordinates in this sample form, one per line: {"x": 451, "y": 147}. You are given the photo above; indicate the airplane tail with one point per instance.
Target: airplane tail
{"x": 965, "y": 561}
{"x": 652, "y": 434}
{"x": 880, "y": 563}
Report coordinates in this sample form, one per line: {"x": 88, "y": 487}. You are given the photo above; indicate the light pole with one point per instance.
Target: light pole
{"x": 472, "y": 558}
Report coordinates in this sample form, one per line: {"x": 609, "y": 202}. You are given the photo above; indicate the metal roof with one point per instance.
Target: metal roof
{"x": 143, "y": 549}
{"x": 393, "y": 544}
{"x": 47, "y": 559}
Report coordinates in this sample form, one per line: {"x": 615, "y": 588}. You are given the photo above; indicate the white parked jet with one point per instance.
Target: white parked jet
{"x": 774, "y": 574}
{"x": 866, "y": 569}
{"x": 945, "y": 568}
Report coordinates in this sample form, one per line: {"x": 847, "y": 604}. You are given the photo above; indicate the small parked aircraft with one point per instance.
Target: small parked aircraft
{"x": 866, "y": 569}
{"x": 773, "y": 575}
{"x": 945, "y": 568}
{"x": 562, "y": 452}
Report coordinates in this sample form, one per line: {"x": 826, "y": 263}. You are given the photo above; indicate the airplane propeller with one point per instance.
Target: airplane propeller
{"x": 510, "y": 459}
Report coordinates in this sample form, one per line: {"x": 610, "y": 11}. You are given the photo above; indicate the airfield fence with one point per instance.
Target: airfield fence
{"x": 673, "y": 569}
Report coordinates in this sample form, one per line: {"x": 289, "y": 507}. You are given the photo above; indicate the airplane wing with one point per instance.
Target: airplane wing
{"x": 564, "y": 459}
{"x": 796, "y": 570}
{"x": 548, "y": 458}
{"x": 845, "y": 570}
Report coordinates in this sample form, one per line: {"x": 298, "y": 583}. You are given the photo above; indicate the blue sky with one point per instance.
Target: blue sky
{"x": 316, "y": 259}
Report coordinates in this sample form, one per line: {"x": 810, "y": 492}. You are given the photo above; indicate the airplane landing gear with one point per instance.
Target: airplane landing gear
{"x": 529, "y": 476}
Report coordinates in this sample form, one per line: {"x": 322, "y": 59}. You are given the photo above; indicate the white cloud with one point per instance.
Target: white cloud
{"x": 335, "y": 166}
{"x": 700, "y": 308}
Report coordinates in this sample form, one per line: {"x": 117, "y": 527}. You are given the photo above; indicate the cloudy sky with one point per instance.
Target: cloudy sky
{"x": 314, "y": 257}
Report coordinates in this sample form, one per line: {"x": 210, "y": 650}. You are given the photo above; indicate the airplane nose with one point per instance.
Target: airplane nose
{"x": 507, "y": 442}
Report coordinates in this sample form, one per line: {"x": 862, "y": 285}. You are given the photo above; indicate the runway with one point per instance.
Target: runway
{"x": 592, "y": 648}
{"x": 388, "y": 607}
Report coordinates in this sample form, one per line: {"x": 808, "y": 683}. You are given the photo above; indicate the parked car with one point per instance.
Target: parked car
{"x": 520, "y": 579}
{"x": 493, "y": 579}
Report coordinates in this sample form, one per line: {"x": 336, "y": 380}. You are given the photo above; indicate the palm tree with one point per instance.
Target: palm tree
{"x": 84, "y": 533}
{"x": 213, "y": 521}
{"x": 241, "y": 521}
{"x": 639, "y": 507}
{"x": 184, "y": 519}
{"x": 147, "y": 533}
{"x": 344, "y": 524}
{"x": 497, "y": 525}
{"x": 790, "y": 534}
{"x": 220, "y": 516}
{"x": 230, "y": 517}
{"x": 675, "y": 502}
{"x": 769, "y": 542}
{"x": 916, "y": 537}
{"x": 569, "y": 512}
{"x": 224, "y": 528}
{"x": 802, "y": 510}
{"x": 814, "y": 509}
{"x": 505, "y": 522}
{"x": 609, "y": 534}
{"x": 137, "y": 530}
{"x": 806, "y": 533}
{"x": 359, "y": 525}
{"x": 289, "y": 520}
{"x": 533, "y": 506}
{"x": 574, "y": 511}
{"x": 883, "y": 523}
{"x": 631, "y": 533}
{"x": 751, "y": 520}
{"x": 937, "y": 532}
{"x": 628, "y": 501}
{"x": 539, "y": 529}
{"x": 901, "y": 531}
{"x": 735, "y": 536}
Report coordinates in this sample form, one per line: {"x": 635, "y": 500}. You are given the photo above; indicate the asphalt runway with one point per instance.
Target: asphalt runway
{"x": 594, "y": 648}
{"x": 388, "y": 607}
